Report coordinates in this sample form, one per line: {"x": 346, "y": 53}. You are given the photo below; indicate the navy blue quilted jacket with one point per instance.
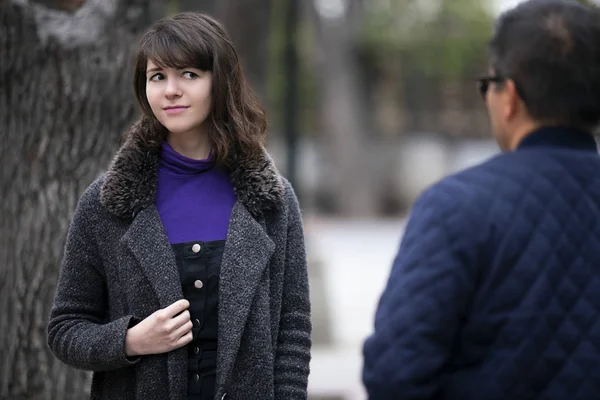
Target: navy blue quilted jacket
{"x": 495, "y": 291}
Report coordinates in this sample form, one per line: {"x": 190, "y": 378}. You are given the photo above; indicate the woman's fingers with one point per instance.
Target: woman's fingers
{"x": 185, "y": 339}
{"x": 179, "y": 320}
{"x": 183, "y": 330}
{"x": 176, "y": 308}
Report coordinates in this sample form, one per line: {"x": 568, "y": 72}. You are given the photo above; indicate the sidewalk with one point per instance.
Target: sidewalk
{"x": 353, "y": 258}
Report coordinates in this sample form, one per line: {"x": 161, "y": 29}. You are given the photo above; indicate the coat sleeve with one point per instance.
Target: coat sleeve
{"x": 78, "y": 332}
{"x": 427, "y": 294}
{"x": 292, "y": 358}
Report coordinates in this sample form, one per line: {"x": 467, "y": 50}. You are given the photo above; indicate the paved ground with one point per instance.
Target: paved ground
{"x": 356, "y": 256}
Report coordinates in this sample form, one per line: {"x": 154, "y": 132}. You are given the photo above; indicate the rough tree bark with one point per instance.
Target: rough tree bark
{"x": 65, "y": 98}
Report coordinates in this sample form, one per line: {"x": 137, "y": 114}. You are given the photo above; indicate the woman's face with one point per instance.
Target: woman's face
{"x": 180, "y": 98}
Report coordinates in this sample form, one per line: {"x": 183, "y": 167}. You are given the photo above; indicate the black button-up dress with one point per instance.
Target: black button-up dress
{"x": 199, "y": 268}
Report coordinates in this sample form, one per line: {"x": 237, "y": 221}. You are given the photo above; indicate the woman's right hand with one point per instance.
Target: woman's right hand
{"x": 165, "y": 330}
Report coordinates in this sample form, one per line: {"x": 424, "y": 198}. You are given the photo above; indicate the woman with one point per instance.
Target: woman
{"x": 184, "y": 274}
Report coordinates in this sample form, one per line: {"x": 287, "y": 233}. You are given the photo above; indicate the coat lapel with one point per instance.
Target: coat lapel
{"x": 247, "y": 253}
{"x": 148, "y": 242}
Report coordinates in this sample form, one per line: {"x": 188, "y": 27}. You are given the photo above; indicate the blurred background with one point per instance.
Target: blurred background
{"x": 369, "y": 102}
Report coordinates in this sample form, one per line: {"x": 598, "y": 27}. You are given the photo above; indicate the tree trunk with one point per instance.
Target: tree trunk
{"x": 345, "y": 171}
{"x": 249, "y": 24}
{"x": 65, "y": 97}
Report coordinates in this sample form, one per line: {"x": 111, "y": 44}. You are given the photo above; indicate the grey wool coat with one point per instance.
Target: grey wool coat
{"x": 118, "y": 268}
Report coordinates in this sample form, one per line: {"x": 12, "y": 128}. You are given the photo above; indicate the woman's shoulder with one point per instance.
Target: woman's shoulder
{"x": 93, "y": 189}
{"x": 89, "y": 202}
{"x": 289, "y": 194}
{"x": 290, "y": 200}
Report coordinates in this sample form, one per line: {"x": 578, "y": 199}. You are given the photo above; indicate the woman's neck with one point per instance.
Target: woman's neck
{"x": 191, "y": 145}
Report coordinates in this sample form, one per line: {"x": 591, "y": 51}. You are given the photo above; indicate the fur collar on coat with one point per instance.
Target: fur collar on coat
{"x": 131, "y": 181}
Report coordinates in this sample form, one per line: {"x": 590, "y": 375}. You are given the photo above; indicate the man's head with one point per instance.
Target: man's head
{"x": 544, "y": 69}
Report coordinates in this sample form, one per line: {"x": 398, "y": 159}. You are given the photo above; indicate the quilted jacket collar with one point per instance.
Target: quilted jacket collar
{"x": 560, "y": 136}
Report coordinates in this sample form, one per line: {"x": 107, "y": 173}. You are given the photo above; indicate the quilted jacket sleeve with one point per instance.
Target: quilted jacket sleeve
{"x": 427, "y": 293}
{"x": 78, "y": 333}
{"x": 292, "y": 358}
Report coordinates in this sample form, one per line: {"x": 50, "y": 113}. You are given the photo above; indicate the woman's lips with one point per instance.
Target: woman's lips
{"x": 175, "y": 110}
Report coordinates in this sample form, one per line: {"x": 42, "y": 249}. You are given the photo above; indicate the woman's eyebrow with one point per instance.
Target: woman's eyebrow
{"x": 155, "y": 69}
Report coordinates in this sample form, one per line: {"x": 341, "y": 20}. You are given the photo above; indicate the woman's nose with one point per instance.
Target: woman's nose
{"x": 172, "y": 89}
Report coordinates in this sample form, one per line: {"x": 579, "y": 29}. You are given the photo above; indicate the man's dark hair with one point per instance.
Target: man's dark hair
{"x": 551, "y": 50}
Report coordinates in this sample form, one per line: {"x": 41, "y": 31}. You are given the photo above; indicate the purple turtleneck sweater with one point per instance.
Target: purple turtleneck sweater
{"x": 194, "y": 198}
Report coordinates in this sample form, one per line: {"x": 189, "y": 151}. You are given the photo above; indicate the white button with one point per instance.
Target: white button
{"x": 197, "y": 322}
{"x": 196, "y": 248}
{"x": 196, "y": 350}
{"x": 196, "y": 377}
{"x": 198, "y": 284}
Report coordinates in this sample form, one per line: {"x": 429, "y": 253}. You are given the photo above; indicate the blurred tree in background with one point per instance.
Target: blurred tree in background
{"x": 385, "y": 69}
{"x": 427, "y": 55}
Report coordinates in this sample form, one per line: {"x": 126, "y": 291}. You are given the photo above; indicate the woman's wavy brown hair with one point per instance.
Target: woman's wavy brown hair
{"x": 237, "y": 122}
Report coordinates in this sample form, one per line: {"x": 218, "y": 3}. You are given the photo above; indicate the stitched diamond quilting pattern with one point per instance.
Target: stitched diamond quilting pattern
{"x": 495, "y": 291}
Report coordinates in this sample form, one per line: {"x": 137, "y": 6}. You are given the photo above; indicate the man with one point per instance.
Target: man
{"x": 495, "y": 291}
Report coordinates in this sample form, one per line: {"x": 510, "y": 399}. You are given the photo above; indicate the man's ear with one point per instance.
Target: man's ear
{"x": 510, "y": 99}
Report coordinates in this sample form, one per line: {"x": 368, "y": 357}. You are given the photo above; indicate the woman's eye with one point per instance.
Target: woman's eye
{"x": 189, "y": 75}
{"x": 156, "y": 77}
